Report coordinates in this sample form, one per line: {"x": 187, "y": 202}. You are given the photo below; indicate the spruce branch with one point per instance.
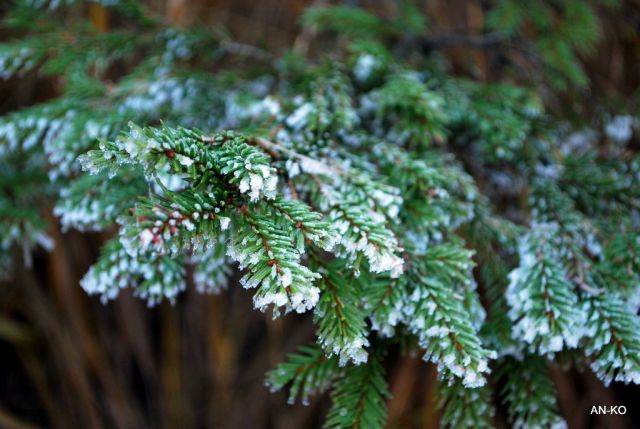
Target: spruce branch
{"x": 543, "y": 304}
{"x": 309, "y": 372}
{"x": 441, "y": 323}
{"x": 340, "y": 320}
{"x": 359, "y": 398}
{"x": 174, "y": 222}
{"x": 385, "y": 299}
{"x": 273, "y": 263}
{"x": 529, "y": 393}
{"x": 153, "y": 277}
{"x": 614, "y": 339}
{"x": 463, "y": 407}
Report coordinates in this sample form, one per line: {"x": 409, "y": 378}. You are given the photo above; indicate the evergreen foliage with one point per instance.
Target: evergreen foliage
{"x": 532, "y": 385}
{"x": 367, "y": 189}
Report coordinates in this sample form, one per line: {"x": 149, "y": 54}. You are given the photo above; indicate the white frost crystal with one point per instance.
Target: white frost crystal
{"x": 146, "y": 236}
{"x": 350, "y": 351}
{"x": 184, "y": 160}
{"x": 298, "y": 118}
{"x": 380, "y": 262}
{"x": 260, "y": 180}
{"x": 365, "y": 65}
{"x": 621, "y": 128}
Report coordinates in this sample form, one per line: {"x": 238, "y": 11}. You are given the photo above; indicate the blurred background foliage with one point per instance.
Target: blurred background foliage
{"x": 71, "y": 362}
